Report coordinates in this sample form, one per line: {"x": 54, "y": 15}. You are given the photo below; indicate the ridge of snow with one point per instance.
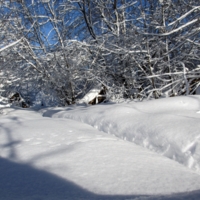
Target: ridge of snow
{"x": 60, "y": 158}
{"x": 71, "y": 160}
{"x": 169, "y": 127}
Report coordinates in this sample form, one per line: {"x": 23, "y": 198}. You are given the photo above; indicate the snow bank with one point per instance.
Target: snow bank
{"x": 45, "y": 158}
{"x": 169, "y": 127}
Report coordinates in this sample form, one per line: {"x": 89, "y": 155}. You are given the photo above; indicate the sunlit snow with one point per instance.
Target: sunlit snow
{"x": 144, "y": 150}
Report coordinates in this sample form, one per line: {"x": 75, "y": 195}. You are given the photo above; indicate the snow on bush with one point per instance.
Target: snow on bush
{"x": 4, "y": 102}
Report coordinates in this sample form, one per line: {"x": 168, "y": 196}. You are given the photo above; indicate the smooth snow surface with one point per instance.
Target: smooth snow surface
{"x": 88, "y": 157}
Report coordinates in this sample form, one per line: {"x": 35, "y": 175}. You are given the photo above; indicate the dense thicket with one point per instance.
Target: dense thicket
{"x": 63, "y": 48}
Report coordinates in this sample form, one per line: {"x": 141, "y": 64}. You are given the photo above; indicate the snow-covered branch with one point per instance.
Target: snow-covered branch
{"x": 10, "y": 45}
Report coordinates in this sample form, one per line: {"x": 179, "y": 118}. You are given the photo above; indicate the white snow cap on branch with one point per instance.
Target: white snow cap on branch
{"x": 10, "y": 45}
{"x": 45, "y": 1}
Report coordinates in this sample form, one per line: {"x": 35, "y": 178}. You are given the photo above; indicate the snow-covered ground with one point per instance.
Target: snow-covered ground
{"x": 145, "y": 150}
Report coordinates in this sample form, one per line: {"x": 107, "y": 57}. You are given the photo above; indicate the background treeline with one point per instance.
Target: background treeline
{"x": 135, "y": 49}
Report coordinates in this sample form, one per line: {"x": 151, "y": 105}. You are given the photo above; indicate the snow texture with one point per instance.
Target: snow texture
{"x": 169, "y": 127}
{"x": 109, "y": 151}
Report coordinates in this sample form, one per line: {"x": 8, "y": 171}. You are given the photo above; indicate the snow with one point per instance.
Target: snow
{"x": 92, "y": 94}
{"x": 169, "y": 127}
{"x": 107, "y": 151}
{"x": 3, "y": 104}
{"x": 10, "y": 45}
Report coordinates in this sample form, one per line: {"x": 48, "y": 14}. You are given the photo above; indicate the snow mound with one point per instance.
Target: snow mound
{"x": 46, "y": 158}
{"x": 169, "y": 127}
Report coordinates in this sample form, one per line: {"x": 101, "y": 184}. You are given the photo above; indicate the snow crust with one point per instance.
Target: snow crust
{"x": 107, "y": 151}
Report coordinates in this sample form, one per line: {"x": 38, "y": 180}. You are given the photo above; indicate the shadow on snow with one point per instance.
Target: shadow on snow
{"x": 23, "y": 182}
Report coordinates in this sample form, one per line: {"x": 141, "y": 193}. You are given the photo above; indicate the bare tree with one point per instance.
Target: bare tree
{"x": 136, "y": 49}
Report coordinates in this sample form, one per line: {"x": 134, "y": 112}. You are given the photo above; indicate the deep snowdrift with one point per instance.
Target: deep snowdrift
{"x": 51, "y": 159}
{"x": 167, "y": 126}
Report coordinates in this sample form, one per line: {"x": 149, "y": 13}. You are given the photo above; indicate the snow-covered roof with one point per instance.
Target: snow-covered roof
{"x": 93, "y": 93}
